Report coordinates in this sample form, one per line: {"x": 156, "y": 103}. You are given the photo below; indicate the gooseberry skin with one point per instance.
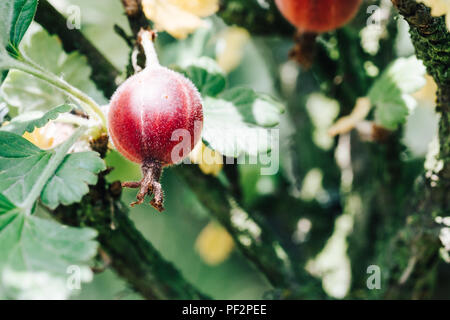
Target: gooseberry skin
{"x": 147, "y": 108}
{"x": 318, "y": 15}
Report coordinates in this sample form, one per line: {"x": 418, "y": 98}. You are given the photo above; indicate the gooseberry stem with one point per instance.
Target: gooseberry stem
{"x": 145, "y": 39}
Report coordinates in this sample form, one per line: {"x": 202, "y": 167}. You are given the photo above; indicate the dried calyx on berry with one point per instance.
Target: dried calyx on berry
{"x": 155, "y": 119}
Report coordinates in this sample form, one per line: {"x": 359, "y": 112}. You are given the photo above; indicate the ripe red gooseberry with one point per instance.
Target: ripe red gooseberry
{"x": 144, "y": 115}
{"x": 318, "y": 15}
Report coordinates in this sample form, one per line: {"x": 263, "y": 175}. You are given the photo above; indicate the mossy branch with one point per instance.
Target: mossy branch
{"x": 416, "y": 248}
{"x": 258, "y": 17}
{"x": 252, "y": 235}
{"x": 431, "y": 40}
{"x": 131, "y": 255}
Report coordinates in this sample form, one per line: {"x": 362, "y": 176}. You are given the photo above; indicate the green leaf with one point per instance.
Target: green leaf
{"x": 230, "y": 131}
{"x": 34, "y": 119}
{"x": 23, "y": 14}
{"x": 235, "y": 120}
{"x": 15, "y": 18}
{"x": 25, "y": 171}
{"x": 29, "y": 93}
{"x": 70, "y": 182}
{"x": 35, "y": 254}
{"x": 391, "y": 92}
{"x": 260, "y": 109}
{"x": 206, "y": 75}
{"x": 21, "y": 164}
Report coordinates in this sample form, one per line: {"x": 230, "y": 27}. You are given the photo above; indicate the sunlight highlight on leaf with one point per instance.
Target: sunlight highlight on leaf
{"x": 39, "y": 138}
{"x": 51, "y": 135}
{"x": 179, "y": 17}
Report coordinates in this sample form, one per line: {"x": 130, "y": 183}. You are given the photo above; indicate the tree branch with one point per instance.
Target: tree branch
{"x": 257, "y": 17}
{"x": 132, "y": 256}
{"x": 136, "y": 17}
{"x": 431, "y": 40}
{"x": 252, "y": 235}
{"x": 254, "y": 240}
{"x": 416, "y": 247}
